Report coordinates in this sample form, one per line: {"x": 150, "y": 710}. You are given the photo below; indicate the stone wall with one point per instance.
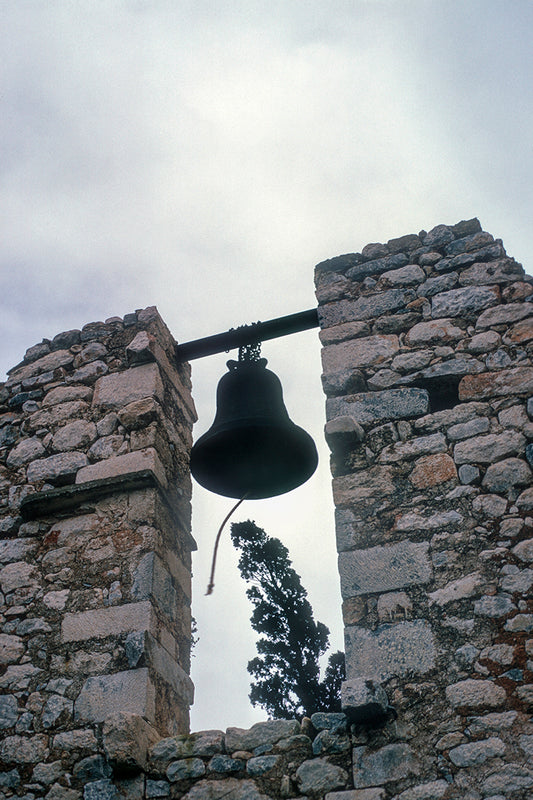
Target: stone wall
{"x": 95, "y": 550}
{"x": 428, "y": 376}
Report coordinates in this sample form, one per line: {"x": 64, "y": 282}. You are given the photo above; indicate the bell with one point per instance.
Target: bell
{"x": 252, "y": 449}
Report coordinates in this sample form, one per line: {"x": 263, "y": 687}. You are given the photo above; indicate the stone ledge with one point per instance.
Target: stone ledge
{"x": 51, "y": 501}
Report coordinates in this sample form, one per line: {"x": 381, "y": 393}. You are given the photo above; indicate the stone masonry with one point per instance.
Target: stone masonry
{"x": 95, "y": 550}
{"x": 428, "y": 377}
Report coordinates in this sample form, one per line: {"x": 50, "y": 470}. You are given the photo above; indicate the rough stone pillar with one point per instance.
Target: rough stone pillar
{"x": 428, "y": 376}
{"x": 95, "y": 554}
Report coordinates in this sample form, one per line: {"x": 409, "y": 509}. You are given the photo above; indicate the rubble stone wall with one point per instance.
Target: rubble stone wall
{"x": 427, "y": 344}
{"x": 95, "y": 551}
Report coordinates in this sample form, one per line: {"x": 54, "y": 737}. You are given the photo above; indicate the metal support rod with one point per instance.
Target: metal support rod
{"x": 247, "y": 334}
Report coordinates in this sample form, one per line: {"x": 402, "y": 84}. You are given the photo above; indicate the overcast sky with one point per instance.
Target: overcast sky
{"x": 203, "y": 157}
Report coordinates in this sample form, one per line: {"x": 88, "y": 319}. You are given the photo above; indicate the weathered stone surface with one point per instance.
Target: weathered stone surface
{"x": 24, "y": 750}
{"x": 409, "y": 275}
{"x": 60, "y": 468}
{"x": 57, "y": 709}
{"x": 120, "y": 388}
{"x": 506, "y": 474}
{"x": 500, "y": 271}
{"x": 507, "y": 778}
{"x": 518, "y": 380}
{"x": 375, "y": 407}
{"x": 64, "y": 394}
{"x": 432, "y": 470}
{"x": 521, "y": 581}
{"x": 524, "y": 550}
{"x": 489, "y": 505}
{"x": 127, "y": 738}
{"x": 9, "y": 711}
{"x": 76, "y": 435}
{"x": 122, "y": 465}
{"x": 464, "y": 302}
{"x": 26, "y": 451}
{"x": 224, "y": 789}
{"x": 379, "y": 569}
{"x": 49, "y": 362}
{"x": 185, "y": 769}
{"x": 504, "y": 314}
{"x": 363, "y": 308}
{"x": 319, "y": 776}
{"x": 467, "y": 755}
{"x": 413, "y": 521}
{"x": 18, "y": 575}
{"x": 413, "y": 448}
{"x": 469, "y": 586}
{"x": 138, "y": 414}
{"x": 363, "y": 700}
{"x": 259, "y": 765}
{"x": 465, "y": 430}
{"x": 435, "y": 331}
{"x": 372, "y": 484}
{"x": 520, "y": 333}
{"x": 489, "y": 448}
{"x": 475, "y": 694}
{"x": 520, "y": 623}
{"x": 129, "y": 692}
{"x": 497, "y": 605}
{"x": 524, "y": 501}
{"x": 16, "y": 549}
{"x": 390, "y": 763}
{"x": 260, "y": 734}
{"x": 389, "y": 650}
{"x": 425, "y": 791}
{"x": 359, "y": 353}
{"x": 440, "y": 283}
{"x": 102, "y": 622}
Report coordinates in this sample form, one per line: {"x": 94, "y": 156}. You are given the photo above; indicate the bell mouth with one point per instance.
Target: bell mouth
{"x": 256, "y": 461}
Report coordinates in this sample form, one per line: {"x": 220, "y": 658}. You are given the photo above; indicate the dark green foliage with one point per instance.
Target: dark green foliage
{"x": 286, "y": 672}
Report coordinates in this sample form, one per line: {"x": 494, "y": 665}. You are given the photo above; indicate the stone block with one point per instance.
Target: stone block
{"x": 425, "y": 791}
{"x": 389, "y": 650}
{"x": 24, "y": 750}
{"x": 432, "y": 332}
{"x": 102, "y": 622}
{"x": 464, "y": 302}
{"x": 413, "y": 448}
{"x": 376, "y": 407}
{"x": 505, "y": 475}
{"x": 358, "y": 353}
{"x": 129, "y": 692}
{"x": 27, "y": 450}
{"x": 58, "y": 469}
{"x": 120, "y": 388}
{"x": 390, "y": 763}
{"x": 364, "y": 308}
{"x": 127, "y": 738}
{"x": 474, "y": 694}
{"x": 339, "y": 333}
{"x": 432, "y": 470}
{"x": 515, "y": 381}
{"x": 469, "y": 586}
{"x": 363, "y": 701}
{"x": 77, "y": 435}
{"x": 372, "y": 484}
{"x": 489, "y": 448}
{"x": 262, "y": 733}
{"x": 319, "y": 776}
{"x": 504, "y": 314}
{"x": 380, "y": 569}
{"x": 137, "y": 461}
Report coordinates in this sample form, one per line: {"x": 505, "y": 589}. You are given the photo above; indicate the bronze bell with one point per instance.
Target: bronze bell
{"x": 252, "y": 449}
